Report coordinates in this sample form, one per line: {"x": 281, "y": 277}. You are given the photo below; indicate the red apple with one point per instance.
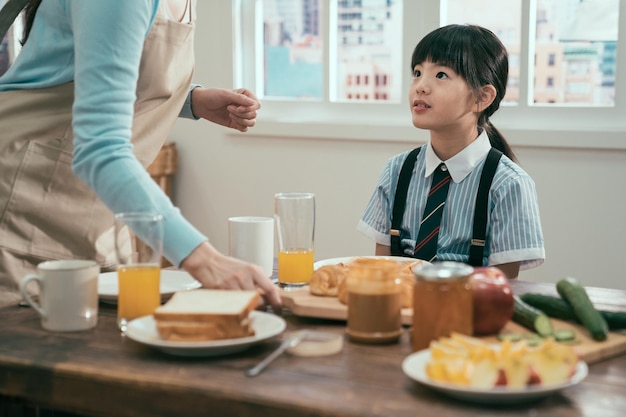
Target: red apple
{"x": 493, "y": 300}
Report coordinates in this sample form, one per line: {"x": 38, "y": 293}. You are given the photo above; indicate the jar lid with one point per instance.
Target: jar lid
{"x": 440, "y": 271}
{"x": 317, "y": 343}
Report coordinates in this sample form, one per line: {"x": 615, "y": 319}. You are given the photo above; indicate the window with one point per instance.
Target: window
{"x": 345, "y": 65}
{"x": 367, "y": 34}
{"x": 551, "y": 59}
{"x": 576, "y": 39}
{"x": 364, "y": 36}
{"x": 292, "y": 49}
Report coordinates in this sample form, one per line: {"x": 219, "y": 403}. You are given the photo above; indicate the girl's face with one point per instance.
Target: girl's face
{"x": 440, "y": 99}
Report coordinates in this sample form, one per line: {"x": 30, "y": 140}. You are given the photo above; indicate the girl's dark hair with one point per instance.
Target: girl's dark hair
{"x": 29, "y": 17}
{"x": 477, "y": 55}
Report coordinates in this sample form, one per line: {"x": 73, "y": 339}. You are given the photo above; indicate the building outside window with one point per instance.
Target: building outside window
{"x": 309, "y": 54}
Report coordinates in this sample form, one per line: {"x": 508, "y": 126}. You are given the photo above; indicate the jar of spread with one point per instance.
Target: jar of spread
{"x": 442, "y": 302}
{"x": 375, "y": 298}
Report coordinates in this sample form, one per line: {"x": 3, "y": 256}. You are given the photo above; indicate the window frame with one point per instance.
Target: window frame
{"x": 523, "y": 125}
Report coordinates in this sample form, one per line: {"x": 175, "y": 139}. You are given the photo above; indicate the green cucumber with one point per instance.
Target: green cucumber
{"x": 571, "y": 291}
{"x": 531, "y": 318}
{"x": 511, "y": 337}
{"x": 533, "y": 339}
{"x": 560, "y": 309}
{"x": 564, "y": 335}
{"x": 616, "y": 320}
{"x": 572, "y": 342}
{"x": 553, "y": 306}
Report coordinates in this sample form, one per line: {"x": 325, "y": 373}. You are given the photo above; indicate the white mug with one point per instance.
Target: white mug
{"x": 68, "y": 294}
{"x": 251, "y": 239}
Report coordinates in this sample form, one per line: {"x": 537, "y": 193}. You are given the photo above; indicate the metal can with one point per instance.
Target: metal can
{"x": 442, "y": 302}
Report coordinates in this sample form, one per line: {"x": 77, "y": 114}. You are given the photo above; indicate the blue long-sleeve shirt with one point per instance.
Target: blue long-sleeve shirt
{"x": 98, "y": 45}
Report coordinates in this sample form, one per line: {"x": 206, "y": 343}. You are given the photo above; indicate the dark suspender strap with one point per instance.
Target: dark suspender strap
{"x": 8, "y": 14}
{"x": 477, "y": 247}
{"x": 399, "y": 202}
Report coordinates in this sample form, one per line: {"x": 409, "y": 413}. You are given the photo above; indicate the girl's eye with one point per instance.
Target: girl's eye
{"x": 416, "y": 73}
{"x": 442, "y": 75}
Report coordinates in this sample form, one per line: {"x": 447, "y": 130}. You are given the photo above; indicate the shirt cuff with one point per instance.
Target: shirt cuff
{"x": 187, "y": 112}
{"x": 375, "y": 235}
{"x": 180, "y": 237}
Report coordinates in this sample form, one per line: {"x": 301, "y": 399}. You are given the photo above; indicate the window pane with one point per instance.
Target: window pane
{"x": 293, "y": 49}
{"x": 368, "y": 62}
{"x": 501, "y": 17}
{"x": 576, "y": 52}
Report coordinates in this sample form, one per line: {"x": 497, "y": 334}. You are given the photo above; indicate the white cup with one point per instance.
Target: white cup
{"x": 68, "y": 294}
{"x": 251, "y": 239}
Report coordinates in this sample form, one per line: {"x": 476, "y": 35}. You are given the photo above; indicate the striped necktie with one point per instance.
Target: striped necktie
{"x": 426, "y": 244}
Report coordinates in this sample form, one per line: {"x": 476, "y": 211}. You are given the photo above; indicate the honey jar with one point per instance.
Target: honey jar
{"x": 442, "y": 302}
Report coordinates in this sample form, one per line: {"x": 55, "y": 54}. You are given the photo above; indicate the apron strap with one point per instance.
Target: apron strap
{"x": 399, "y": 202}
{"x": 479, "y": 230}
{"x": 9, "y": 12}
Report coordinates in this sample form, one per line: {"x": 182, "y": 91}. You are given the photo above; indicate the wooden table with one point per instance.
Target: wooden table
{"x": 100, "y": 373}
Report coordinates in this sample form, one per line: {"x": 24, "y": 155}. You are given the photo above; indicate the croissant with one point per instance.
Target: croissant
{"x": 326, "y": 280}
{"x": 407, "y": 279}
{"x": 342, "y": 292}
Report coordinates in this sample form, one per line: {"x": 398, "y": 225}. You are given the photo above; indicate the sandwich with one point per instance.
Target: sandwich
{"x": 204, "y": 315}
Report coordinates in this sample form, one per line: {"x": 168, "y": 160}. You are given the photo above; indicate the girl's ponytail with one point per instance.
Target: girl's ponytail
{"x": 498, "y": 141}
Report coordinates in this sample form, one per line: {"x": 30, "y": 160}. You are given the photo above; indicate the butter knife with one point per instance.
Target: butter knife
{"x": 291, "y": 341}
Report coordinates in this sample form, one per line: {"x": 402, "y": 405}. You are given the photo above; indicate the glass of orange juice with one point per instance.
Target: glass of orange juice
{"x": 294, "y": 215}
{"x": 139, "y": 247}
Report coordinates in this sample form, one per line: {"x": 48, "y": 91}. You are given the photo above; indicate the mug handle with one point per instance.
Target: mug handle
{"x": 28, "y": 278}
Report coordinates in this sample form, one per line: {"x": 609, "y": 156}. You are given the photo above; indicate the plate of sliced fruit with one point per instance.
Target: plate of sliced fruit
{"x": 470, "y": 369}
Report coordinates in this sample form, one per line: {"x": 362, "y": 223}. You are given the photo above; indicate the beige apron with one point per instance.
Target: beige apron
{"x": 46, "y": 212}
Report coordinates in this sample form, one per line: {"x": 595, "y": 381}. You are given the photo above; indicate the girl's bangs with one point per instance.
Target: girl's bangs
{"x": 441, "y": 48}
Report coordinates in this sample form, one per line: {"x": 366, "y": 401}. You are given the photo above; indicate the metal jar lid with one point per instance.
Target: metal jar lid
{"x": 443, "y": 271}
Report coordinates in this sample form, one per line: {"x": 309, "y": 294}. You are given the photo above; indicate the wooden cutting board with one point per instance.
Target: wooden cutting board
{"x": 302, "y": 303}
{"x": 588, "y": 349}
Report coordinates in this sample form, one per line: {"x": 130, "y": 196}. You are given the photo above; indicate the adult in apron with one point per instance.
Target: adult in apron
{"x": 46, "y": 212}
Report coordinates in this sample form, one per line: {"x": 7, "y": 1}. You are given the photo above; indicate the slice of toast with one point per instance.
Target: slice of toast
{"x": 195, "y": 332}
{"x": 206, "y": 314}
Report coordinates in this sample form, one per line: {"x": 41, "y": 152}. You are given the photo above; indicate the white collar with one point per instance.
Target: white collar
{"x": 461, "y": 164}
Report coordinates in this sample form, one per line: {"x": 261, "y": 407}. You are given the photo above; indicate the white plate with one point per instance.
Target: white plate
{"x": 171, "y": 281}
{"x": 265, "y": 325}
{"x": 414, "y": 366}
{"x": 334, "y": 261}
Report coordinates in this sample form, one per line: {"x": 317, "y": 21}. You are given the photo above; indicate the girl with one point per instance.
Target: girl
{"x": 459, "y": 78}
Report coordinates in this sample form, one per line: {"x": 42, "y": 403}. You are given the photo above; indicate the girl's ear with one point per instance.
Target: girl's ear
{"x": 486, "y": 95}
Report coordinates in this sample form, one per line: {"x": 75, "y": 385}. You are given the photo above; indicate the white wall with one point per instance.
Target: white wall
{"x": 581, "y": 192}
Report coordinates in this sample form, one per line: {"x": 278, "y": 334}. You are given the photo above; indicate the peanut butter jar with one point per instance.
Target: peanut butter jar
{"x": 374, "y": 302}
{"x": 442, "y": 302}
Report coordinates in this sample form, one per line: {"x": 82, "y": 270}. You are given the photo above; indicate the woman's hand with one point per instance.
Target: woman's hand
{"x": 215, "y": 270}
{"x": 236, "y": 109}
